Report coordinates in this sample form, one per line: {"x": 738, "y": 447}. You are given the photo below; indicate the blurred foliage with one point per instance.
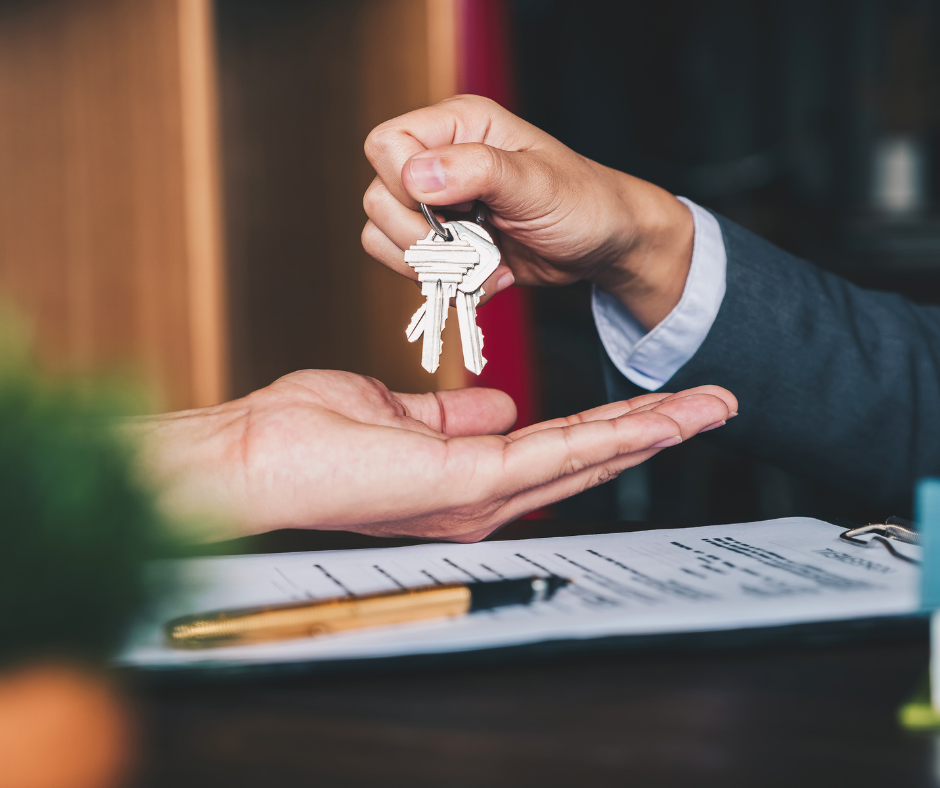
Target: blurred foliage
{"x": 75, "y": 524}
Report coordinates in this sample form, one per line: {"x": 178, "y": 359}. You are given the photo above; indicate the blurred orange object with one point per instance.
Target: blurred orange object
{"x": 61, "y": 727}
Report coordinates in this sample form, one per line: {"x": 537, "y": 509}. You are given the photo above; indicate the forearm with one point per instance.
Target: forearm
{"x": 835, "y": 383}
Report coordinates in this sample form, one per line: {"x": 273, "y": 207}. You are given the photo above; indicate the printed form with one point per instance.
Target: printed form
{"x": 723, "y": 577}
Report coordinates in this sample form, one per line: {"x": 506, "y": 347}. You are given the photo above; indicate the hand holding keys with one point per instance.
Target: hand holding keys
{"x": 453, "y": 261}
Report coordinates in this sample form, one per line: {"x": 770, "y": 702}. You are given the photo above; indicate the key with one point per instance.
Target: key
{"x": 482, "y": 241}
{"x": 416, "y": 326}
{"x": 441, "y": 265}
{"x": 453, "y": 261}
{"x": 470, "y": 291}
{"x": 471, "y": 338}
{"x": 435, "y": 316}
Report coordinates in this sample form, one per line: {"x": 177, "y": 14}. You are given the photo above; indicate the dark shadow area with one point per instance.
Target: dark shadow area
{"x": 656, "y": 718}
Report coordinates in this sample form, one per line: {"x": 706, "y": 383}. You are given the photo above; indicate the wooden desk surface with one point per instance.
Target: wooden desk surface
{"x": 786, "y": 715}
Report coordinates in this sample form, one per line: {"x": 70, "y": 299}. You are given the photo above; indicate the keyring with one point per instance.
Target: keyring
{"x": 439, "y": 229}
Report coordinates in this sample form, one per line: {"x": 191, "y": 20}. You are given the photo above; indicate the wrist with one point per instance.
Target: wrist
{"x": 652, "y": 238}
{"x": 191, "y": 460}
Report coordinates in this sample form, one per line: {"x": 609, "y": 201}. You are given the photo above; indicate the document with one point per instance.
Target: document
{"x": 725, "y": 577}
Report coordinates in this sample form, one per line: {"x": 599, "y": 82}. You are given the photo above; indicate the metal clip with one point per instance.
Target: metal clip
{"x": 894, "y": 528}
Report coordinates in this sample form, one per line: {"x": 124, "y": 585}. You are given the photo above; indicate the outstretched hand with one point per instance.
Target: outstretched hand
{"x": 334, "y": 450}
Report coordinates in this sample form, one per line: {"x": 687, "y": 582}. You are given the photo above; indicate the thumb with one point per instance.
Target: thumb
{"x": 458, "y": 412}
{"x": 505, "y": 180}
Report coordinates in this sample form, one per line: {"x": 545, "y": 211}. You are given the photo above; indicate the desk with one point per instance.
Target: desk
{"x": 783, "y": 715}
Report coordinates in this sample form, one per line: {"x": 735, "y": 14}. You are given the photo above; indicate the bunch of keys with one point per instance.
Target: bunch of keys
{"x": 453, "y": 261}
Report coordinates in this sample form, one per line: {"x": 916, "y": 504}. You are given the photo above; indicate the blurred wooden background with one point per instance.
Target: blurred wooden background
{"x": 170, "y": 201}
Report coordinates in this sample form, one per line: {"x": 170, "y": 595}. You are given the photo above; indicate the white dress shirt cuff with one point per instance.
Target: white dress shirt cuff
{"x": 649, "y": 359}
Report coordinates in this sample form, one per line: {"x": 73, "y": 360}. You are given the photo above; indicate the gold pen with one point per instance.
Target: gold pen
{"x": 322, "y": 616}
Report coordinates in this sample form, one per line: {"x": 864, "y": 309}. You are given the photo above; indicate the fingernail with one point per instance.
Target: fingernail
{"x": 668, "y": 442}
{"x": 428, "y": 174}
{"x": 715, "y": 426}
{"x": 732, "y": 414}
{"x": 505, "y": 281}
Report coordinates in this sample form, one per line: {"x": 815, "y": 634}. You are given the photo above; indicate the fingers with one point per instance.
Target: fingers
{"x": 498, "y": 281}
{"x": 716, "y": 391}
{"x": 488, "y": 481}
{"x": 694, "y": 412}
{"x": 609, "y": 411}
{"x": 552, "y": 464}
{"x": 553, "y": 492}
{"x": 495, "y": 480}
{"x": 400, "y": 224}
{"x": 456, "y": 120}
{"x": 604, "y": 446}
{"x": 637, "y": 404}
{"x": 462, "y": 412}
{"x": 378, "y": 245}
{"x": 542, "y": 457}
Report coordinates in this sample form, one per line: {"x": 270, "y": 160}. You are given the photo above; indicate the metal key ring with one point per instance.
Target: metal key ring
{"x": 439, "y": 229}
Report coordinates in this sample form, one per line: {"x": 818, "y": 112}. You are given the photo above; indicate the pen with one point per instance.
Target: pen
{"x": 322, "y": 616}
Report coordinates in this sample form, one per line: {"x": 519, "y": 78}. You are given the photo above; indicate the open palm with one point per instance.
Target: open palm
{"x": 325, "y": 449}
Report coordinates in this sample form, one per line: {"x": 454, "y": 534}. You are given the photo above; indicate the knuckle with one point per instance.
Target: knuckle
{"x": 377, "y": 387}
{"x": 484, "y": 163}
{"x": 572, "y": 466}
{"x": 473, "y": 102}
{"x": 368, "y": 238}
{"x": 370, "y": 145}
{"x": 372, "y": 197}
{"x": 377, "y": 141}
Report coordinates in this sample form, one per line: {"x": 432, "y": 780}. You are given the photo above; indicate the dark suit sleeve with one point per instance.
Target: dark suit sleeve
{"x": 835, "y": 383}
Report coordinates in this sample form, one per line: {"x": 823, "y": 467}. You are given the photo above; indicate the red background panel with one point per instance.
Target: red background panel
{"x": 486, "y": 69}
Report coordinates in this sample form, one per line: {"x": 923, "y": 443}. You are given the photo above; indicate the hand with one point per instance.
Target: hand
{"x": 333, "y": 450}
{"x": 557, "y": 217}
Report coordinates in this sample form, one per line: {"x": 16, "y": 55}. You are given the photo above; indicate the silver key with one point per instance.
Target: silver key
{"x": 471, "y": 337}
{"x": 448, "y": 268}
{"x": 416, "y": 326}
{"x": 482, "y": 241}
{"x": 441, "y": 265}
{"x": 470, "y": 291}
{"x": 435, "y": 317}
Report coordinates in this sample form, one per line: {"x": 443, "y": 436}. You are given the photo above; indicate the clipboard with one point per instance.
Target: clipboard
{"x": 794, "y": 580}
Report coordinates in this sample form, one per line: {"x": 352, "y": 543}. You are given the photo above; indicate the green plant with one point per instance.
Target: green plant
{"x": 75, "y": 523}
